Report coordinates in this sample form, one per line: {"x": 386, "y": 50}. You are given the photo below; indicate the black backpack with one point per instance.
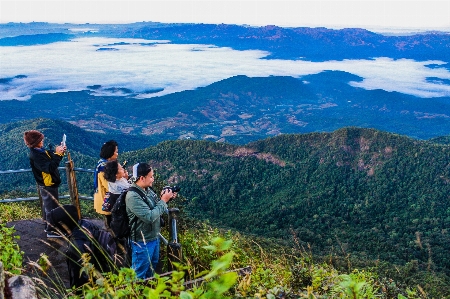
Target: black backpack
{"x": 119, "y": 219}
{"x": 63, "y": 218}
{"x": 89, "y": 238}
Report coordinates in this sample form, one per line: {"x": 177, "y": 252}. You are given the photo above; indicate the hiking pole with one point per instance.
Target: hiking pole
{"x": 173, "y": 247}
{"x": 173, "y": 214}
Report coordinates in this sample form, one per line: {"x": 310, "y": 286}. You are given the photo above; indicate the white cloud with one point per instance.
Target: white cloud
{"x": 74, "y": 65}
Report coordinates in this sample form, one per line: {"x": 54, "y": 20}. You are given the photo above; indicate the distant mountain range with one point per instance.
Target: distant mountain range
{"x": 242, "y": 109}
{"x": 304, "y": 43}
{"x": 314, "y": 44}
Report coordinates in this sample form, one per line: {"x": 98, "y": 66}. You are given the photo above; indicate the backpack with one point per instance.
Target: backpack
{"x": 63, "y": 218}
{"x": 88, "y": 237}
{"x": 109, "y": 201}
{"x": 119, "y": 219}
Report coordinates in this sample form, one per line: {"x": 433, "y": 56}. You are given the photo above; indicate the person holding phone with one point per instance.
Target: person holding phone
{"x": 44, "y": 165}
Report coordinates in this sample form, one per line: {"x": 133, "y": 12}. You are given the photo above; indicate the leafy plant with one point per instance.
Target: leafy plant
{"x": 217, "y": 281}
{"x": 10, "y": 254}
{"x": 358, "y": 284}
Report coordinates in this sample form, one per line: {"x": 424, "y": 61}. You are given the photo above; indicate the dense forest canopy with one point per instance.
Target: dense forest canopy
{"x": 369, "y": 193}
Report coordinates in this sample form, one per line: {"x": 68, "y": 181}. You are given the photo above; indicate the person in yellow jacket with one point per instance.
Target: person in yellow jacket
{"x": 108, "y": 152}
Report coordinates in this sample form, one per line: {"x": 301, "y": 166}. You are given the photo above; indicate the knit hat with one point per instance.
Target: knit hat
{"x": 32, "y": 138}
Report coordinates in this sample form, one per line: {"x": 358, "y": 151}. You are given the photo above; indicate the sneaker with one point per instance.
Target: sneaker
{"x": 51, "y": 234}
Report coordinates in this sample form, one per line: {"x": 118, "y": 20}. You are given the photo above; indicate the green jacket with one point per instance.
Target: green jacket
{"x": 144, "y": 216}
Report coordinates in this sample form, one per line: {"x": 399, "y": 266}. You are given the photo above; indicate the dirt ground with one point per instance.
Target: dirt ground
{"x": 33, "y": 242}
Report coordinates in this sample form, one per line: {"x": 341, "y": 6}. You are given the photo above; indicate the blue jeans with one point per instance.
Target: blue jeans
{"x": 145, "y": 256}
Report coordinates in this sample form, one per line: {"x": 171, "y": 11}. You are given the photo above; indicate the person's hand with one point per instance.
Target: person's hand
{"x": 60, "y": 149}
{"x": 125, "y": 174}
{"x": 167, "y": 194}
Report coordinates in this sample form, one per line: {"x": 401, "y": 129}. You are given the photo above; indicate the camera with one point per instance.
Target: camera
{"x": 173, "y": 188}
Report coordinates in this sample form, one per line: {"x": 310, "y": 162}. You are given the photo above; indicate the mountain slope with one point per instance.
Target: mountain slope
{"x": 242, "y": 109}
{"x": 372, "y": 194}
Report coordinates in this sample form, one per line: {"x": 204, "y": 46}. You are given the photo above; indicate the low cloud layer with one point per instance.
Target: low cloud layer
{"x": 144, "y": 69}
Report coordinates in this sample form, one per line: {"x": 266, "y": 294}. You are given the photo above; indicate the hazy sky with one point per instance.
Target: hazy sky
{"x": 368, "y": 14}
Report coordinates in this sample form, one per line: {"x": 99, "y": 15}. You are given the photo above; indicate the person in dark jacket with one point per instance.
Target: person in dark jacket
{"x": 44, "y": 164}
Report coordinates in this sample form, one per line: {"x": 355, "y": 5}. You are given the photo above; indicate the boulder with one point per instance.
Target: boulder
{"x": 22, "y": 287}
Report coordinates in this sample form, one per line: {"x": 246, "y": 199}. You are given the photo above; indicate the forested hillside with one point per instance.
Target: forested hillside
{"x": 363, "y": 192}
{"x": 360, "y": 191}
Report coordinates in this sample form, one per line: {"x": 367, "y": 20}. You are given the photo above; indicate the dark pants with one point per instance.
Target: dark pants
{"x": 49, "y": 199}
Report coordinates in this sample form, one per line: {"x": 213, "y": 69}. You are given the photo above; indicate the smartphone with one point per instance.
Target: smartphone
{"x": 63, "y": 142}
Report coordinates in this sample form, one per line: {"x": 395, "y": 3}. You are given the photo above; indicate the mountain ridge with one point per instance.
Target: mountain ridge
{"x": 303, "y": 42}
{"x": 284, "y": 43}
{"x": 241, "y": 109}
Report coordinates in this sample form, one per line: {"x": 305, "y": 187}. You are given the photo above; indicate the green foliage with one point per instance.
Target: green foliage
{"x": 124, "y": 284}
{"x": 10, "y": 254}
{"x": 19, "y": 211}
{"x": 355, "y": 192}
{"x": 277, "y": 272}
{"x": 358, "y": 284}
{"x": 15, "y": 211}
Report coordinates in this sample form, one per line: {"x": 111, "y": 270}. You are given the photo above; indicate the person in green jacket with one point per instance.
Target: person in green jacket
{"x": 44, "y": 164}
{"x": 144, "y": 217}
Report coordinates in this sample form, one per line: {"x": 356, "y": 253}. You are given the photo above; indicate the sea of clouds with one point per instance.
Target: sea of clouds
{"x": 136, "y": 66}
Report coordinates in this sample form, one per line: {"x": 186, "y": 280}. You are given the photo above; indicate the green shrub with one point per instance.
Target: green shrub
{"x": 10, "y": 254}
{"x": 217, "y": 281}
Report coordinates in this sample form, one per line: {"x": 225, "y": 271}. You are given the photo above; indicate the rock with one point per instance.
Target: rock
{"x": 22, "y": 287}
{"x": 33, "y": 242}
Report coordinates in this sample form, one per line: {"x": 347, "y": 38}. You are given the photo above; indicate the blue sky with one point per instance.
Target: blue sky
{"x": 393, "y": 14}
